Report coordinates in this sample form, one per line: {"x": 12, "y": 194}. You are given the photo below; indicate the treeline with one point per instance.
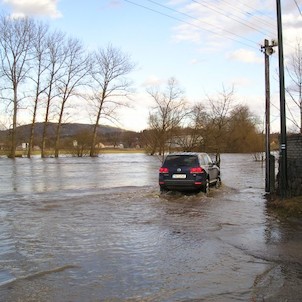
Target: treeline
{"x": 75, "y": 138}
{"x": 46, "y": 72}
{"x": 214, "y": 125}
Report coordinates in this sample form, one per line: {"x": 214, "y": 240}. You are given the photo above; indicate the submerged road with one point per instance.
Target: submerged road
{"x": 96, "y": 230}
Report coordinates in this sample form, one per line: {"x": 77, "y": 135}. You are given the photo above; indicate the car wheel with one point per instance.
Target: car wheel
{"x": 163, "y": 190}
{"x": 206, "y": 187}
{"x": 218, "y": 183}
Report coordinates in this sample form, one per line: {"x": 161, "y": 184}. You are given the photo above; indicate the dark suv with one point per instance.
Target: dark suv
{"x": 188, "y": 171}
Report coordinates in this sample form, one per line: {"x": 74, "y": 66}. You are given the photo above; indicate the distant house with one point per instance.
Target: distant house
{"x": 22, "y": 147}
{"x": 99, "y": 146}
{"x": 25, "y": 146}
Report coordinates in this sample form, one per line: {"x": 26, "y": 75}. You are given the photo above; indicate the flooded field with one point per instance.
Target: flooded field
{"x": 97, "y": 229}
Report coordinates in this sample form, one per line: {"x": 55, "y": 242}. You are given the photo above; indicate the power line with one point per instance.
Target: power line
{"x": 166, "y": 15}
{"x": 191, "y": 17}
{"x": 299, "y": 9}
{"x": 194, "y": 25}
{"x": 229, "y": 16}
{"x": 260, "y": 12}
{"x": 265, "y": 21}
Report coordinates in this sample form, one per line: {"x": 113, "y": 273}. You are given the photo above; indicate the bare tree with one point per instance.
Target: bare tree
{"x": 166, "y": 116}
{"x": 15, "y": 44}
{"x": 294, "y": 71}
{"x": 216, "y": 129}
{"x": 55, "y": 61}
{"x": 76, "y": 67}
{"x": 111, "y": 87}
{"x": 39, "y": 69}
{"x": 194, "y": 134}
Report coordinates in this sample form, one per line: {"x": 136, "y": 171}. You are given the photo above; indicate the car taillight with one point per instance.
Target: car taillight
{"x": 196, "y": 170}
{"x": 163, "y": 170}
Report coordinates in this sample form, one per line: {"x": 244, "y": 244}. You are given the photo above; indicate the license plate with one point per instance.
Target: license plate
{"x": 181, "y": 176}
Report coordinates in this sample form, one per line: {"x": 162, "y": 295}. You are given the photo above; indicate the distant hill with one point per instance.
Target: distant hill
{"x": 67, "y": 130}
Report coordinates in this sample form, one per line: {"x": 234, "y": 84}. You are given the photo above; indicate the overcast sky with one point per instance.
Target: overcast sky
{"x": 205, "y": 45}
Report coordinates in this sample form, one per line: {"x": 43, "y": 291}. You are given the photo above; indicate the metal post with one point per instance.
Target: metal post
{"x": 283, "y": 143}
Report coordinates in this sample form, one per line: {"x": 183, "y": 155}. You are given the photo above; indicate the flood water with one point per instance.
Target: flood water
{"x": 97, "y": 229}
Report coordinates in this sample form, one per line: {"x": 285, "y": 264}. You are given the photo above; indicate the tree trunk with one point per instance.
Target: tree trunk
{"x": 14, "y": 134}
{"x": 300, "y": 100}
{"x": 92, "y": 148}
{"x": 32, "y": 130}
{"x": 43, "y": 143}
{"x": 57, "y": 142}
{"x": 58, "y": 132}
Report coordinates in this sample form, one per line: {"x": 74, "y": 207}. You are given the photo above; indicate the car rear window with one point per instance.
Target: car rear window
{"x": 181, "y": 160}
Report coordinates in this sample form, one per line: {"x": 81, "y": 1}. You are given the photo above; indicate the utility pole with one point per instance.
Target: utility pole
{"x": 283, "y": 140}
{"x": 268, "y": 50}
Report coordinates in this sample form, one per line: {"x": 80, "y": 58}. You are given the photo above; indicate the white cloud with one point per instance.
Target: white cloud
{"x": 153, "y": 81}
{"x": 115, "y": 3}
{"x": 208, "y": 22}
{"x": 239, "y": 82}
{"x": 189, "y": 32}
{"x": 194, "y": 62}
{"x": 216, "y": 25}
{"x": 246, "y": 56}
{"x": 21, "y": 8}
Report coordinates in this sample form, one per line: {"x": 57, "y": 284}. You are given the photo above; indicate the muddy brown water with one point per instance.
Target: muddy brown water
{"x": 97, "y": 229}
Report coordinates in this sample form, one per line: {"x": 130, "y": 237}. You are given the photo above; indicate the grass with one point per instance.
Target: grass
{"x": 287, "y": 207}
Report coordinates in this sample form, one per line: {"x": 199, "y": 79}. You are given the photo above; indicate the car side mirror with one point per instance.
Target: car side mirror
{"x": 217, "y": 163}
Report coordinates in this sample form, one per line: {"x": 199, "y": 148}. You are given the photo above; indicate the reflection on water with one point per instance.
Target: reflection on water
{"x": 97, "y": 229}
{"x": 55, "y": 174}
